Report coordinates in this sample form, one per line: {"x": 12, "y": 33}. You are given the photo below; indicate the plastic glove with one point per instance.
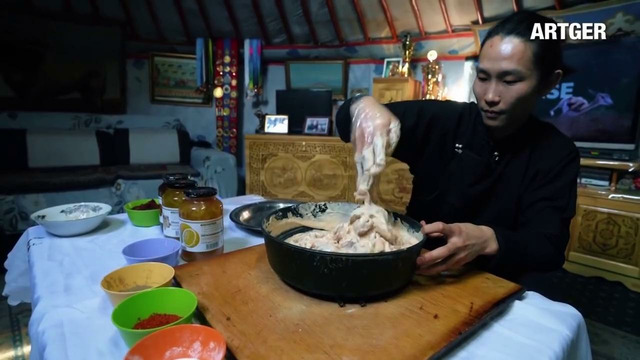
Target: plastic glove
{"x": 374, "y": 133}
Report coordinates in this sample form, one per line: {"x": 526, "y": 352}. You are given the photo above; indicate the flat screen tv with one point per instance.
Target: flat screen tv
{"x": 300, "y": 104}
{"x": 604, "y": 78}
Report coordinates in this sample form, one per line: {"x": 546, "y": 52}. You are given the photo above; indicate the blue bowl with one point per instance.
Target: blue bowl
{"x": 162, "y": 250}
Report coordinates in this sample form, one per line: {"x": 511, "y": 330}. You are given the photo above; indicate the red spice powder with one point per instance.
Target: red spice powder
{"x": 149, "y": 205}
{"x": 156, "y": 320}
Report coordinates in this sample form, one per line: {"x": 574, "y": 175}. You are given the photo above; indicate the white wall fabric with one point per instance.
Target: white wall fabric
{"x": 51, "y": 148}
{"x": 152, "y": 146}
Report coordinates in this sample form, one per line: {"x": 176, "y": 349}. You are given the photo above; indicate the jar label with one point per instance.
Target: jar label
{"x": 161, "y": 219}
{"x": 170, "y": 222}
{"x": 201, "y": 236}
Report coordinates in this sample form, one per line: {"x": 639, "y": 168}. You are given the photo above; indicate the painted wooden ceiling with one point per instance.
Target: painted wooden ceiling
{"x": 280, "y": 22}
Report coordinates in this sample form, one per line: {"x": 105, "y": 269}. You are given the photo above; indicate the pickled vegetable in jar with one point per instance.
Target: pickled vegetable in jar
{"x": 171, "y": 201}
{"x": 166, "y": 179}
{"x": 201, "y": 224}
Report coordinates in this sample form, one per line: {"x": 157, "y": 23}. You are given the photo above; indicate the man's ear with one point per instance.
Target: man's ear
{"x": 551, "y": 82}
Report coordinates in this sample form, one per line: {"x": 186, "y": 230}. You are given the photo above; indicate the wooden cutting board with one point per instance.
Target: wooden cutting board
{"x": 263, "y": 318}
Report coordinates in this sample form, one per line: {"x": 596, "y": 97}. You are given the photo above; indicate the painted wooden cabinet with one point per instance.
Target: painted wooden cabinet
{"x": 605, "y": 233}
{"x": 387, "y": 90}
{"x": 317, "y": 168}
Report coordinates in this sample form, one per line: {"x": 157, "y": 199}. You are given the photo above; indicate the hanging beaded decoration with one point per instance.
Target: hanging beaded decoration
{"x": 225, "y": 93}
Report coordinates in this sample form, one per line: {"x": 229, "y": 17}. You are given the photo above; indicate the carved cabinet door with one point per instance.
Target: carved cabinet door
{"x": 302, "y": 168}
{"x": 606, "y": 234}
{"x": 309, "y": 168}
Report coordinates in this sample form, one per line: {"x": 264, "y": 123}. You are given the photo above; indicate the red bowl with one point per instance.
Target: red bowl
{"x": 180, "y": 341}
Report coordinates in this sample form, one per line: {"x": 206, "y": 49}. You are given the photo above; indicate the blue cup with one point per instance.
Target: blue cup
{"x": 162, "y": 250}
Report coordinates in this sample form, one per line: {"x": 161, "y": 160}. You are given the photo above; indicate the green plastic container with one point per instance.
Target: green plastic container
{"x": 166, "y": 300}
{"x": 143, "y": 218}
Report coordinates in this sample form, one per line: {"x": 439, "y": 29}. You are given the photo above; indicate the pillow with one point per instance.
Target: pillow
{"x": 36, "y": 149}
{"x": 152, "y": 146}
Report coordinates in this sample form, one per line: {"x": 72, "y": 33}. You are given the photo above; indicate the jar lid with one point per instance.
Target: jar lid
{"x": 174, "y": 176}
{"x": 201, "y": 192}
{"x": 182, "y": 184}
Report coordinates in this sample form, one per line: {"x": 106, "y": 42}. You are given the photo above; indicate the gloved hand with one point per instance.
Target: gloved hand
{"x": 374, "y": 133}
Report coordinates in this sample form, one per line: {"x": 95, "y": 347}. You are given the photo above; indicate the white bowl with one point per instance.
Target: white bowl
{"x": 71, "y": 219}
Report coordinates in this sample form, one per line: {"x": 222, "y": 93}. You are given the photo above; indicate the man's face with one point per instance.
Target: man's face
{"x": 506, "y": 84}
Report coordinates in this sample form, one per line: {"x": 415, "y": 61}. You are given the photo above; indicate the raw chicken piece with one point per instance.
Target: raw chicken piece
{"x": 369, "y": 230}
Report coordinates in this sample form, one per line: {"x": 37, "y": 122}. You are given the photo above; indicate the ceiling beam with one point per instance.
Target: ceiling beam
{"x": 387, "y": 15}
{"x": 155, "y": 19}
{"x": 361, "y": 20}
{"x": 479, "y": 13}
{"x": 455, "y": 35}
{"x": 129, "y": 17}
{"x": 232, "y": 17}
{"x": 205, "y": 17}
{"x": 558, "y": 4}
{"x": 309, "y": 20}
{"x": 334, "y": 20}
{"x": 183, "y": 20}
{"x": 283, "y": 19}
{"x": 516, "y": 5}
{"x": 263, "y": 27}
{"x": 445, "y": 15}
{"x": 416, "y": 13}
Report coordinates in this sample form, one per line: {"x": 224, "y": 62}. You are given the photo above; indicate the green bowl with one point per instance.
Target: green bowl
{"x": 166, "y": 300}
{"x": 144, "y": 218}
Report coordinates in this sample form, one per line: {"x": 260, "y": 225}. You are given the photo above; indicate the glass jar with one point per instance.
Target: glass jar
{"x": 201, "y": 224}
{"x": 171, "y": 201}
{"x": 167, "y": 178}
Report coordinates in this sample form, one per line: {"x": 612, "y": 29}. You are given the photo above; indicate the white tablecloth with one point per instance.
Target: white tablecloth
{"x": 72, "y": 316}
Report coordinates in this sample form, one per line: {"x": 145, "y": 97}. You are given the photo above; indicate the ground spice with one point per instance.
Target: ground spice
{"x": 149, "y": 205}
{"x": 155, "y": 320}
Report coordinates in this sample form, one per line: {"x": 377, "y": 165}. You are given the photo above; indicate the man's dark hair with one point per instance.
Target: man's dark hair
{"x": 547, "y": 54}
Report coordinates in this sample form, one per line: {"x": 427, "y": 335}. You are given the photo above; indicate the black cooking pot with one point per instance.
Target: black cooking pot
{"x": 337, "y": 276}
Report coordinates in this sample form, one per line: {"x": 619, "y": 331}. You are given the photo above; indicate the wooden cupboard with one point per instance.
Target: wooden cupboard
{"x": 387, "y": 90}
{"x": 317, "y": 168}
{"x": 605, "y": 233}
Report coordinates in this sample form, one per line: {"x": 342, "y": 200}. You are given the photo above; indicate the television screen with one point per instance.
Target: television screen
{"x": 300, "y": 104}
{"x": 596, "y": 103}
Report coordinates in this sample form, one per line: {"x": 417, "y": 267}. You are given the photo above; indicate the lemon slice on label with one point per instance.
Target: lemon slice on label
{"x": 190, "y": 238}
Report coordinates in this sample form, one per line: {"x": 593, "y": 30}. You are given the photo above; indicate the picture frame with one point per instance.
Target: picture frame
{"x": 173, "y": 80}
{"x": 318, "y": 75}
{"x": 317, "y": 125}
{"x": 391, "y": 67}
{"x": 276, "y": 124}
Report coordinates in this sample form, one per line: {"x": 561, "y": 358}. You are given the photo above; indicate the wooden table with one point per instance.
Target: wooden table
{"x": 263, "y": 318}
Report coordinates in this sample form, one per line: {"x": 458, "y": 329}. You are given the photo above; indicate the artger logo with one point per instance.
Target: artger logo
{"x": 576, "y": 31}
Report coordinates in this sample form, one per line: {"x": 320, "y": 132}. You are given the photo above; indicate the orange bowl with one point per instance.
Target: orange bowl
{"x": 190, "y": 341}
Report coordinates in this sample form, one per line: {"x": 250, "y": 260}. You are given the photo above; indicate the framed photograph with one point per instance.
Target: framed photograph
{"x": 172, "y": 80}
{"x": 319, "y": 75}
{"x": 276, "y": 124}
{"x": 317, "y": 125}
{"x": 391, "y": 67}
